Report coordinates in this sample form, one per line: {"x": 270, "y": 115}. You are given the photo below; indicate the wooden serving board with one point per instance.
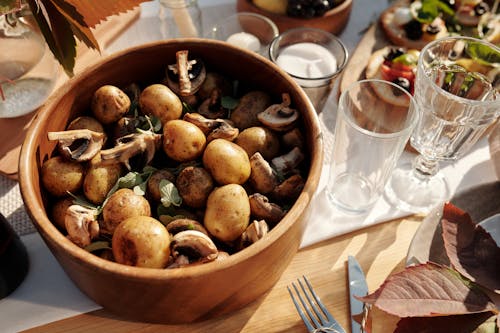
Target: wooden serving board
{"x": 13, "y": 130}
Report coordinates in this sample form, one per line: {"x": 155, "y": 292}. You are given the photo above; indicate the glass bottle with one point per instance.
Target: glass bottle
{"x": 180, "y": 18}
{"x": 28, "y": 70}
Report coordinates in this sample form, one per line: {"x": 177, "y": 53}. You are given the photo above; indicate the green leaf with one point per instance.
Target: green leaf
{"x": 482, "y": 53}
{"x": 229, "y": 102}
{"x": 431, "y": 9}
{"x": 169, "y": 194}
{"x": 140, "y": 189}
{"x": 57, "y": 33}
{"x": 406, "y": 59}
{"x": 99, "y": 245}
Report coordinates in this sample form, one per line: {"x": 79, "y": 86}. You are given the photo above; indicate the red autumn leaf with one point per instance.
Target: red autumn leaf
{"x": 471, "y": 250}
{"x": 429, "y": 290}
{"x": 468, "y": 323}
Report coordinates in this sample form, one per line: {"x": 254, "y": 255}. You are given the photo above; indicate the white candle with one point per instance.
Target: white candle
{"x": 245, "y": 40}
{"x": 307, "y": 60}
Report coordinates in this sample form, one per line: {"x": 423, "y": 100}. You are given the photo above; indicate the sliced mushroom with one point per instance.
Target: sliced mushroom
{"x": 143, "y": 143}
{"x": 285, "y": 164}
{"x": 280, "y": 117}
{"x": 293, "y": 138}
{"x": 186, "y": 76}
{"x": 212, "y": 107}
{"x": 262, "y": 209}
{"x": 179, "y": 225}
{"x": 255, "y": 231}
{"x": 223, "y": 131}
{"x": 262, "y": 177}
{"x": 205, "y": 124}
{"x": 290, "y": 189}
{"x": 221, "y": 256}
{"x": 78, "y": 145}
{"x": 81, "y": 225}
{"x": 195, "y": 245}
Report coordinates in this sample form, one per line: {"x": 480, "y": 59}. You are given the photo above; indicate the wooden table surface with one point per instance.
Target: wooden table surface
{"x": 380, "y": 250}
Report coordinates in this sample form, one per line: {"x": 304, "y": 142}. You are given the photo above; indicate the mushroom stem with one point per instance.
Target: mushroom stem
{"x": 194, "y": 244}
{"x": 262, "y": 209}
{"x": 262, "y": 178}
{"x": 284, "y": 164}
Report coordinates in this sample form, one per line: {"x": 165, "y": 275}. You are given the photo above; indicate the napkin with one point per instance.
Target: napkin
{"x": 325, "y": 221}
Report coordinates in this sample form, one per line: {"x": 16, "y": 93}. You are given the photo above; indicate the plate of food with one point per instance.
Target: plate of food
{"x": 390, "y": 47}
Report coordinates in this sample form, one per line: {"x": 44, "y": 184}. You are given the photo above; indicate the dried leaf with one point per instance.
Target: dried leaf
{"x": 472, "y": 250}
{"x": 429, "y": 290}
{"x": 95, "y": 12}
{"x": 9, "y": 6}
{"x": 469, "y": 323}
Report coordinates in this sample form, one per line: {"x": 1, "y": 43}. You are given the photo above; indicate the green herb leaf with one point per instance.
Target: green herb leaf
{"x": 431, "y": 9}
{"x": 482, "y": 53}
{"x": 229, "y": 102}
{"x": 99, "y": 245}
{"x": 169, "y": 194}
{"x": 406, "y": 59}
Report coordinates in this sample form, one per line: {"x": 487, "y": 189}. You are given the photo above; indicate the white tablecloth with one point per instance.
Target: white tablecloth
{"x": 48, "y": 295}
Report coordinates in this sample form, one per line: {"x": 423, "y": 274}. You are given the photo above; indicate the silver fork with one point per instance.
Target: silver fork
{"x": 318, "y": 319}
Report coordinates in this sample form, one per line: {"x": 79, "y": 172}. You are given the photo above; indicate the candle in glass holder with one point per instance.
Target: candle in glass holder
{"x": 245, "y": 40}
{"x": 307, "y": 60}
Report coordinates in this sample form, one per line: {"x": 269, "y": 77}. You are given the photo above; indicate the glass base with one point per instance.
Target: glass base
{"x": 409, "y": 193}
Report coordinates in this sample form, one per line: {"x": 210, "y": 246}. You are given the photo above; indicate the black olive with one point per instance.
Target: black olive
{"x": 413, "y": 30}
{"x": 403, "y": 83}
{"x": 432, "y": 29}
{"x": 394, "y": 52}
{"x": 481, "y": 8}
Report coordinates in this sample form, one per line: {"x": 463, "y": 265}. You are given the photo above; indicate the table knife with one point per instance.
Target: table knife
{"x": 358, "y": 287}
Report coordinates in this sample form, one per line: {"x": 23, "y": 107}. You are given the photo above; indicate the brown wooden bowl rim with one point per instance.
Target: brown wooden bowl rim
{"x": 340, "y": 9}
{"x": 48, "y": 231}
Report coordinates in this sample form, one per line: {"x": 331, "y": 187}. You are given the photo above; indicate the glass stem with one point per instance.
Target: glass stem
{"x": 425, "y": 168}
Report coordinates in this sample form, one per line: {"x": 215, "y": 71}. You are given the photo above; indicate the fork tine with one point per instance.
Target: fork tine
{"x": 302, "y": 315}
{"x": 312, "y": 317}
{"x": 318, "y": 301}
{"x": 313, "y": 306}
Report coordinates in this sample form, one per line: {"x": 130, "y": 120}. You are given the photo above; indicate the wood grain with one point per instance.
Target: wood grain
{"x": 13, "y": 130}
{"x": 381, "y": 250}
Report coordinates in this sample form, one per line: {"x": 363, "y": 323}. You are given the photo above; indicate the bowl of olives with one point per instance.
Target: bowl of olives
{"x": 170, "y": 181}
{"x": 329, "y": 15}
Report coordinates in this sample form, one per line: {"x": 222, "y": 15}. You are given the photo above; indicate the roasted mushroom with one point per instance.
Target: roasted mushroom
{"x": 142, "y": 144}
{"x": 186, "y": 76}
{"x": 176, "y": 226}
{"x": 262, "y": 178}
{"x": 293, "y": 138}
{"x": 249, "y": 106}
{"x": 81, "y": 225}
{"x": 205, "y": 124}
{"x": 224, "y": 131}
{"x": 262, "y": 209}
{"x": 290, "y": 189}
{"x": 286, "y": 163}
{"x": 212, "y": 107}
{"x": 194, "y": 245}
{"x": 79, "y": 145}
{"x": 255, "y": 231}
{"x": 280, "y": 117}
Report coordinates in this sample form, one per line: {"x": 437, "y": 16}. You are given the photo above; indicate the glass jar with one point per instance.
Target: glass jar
{"x": 28, "y": 70}
{"x": 180, "y": 18}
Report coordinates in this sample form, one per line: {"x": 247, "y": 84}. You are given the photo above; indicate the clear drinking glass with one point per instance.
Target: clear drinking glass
{"x": 456, "y": 90}
{"x": 180, "y": 19}
{"x": 370, "y": 135}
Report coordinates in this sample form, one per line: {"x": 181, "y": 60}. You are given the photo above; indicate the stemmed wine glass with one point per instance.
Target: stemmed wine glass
{"x": 457, "y": 93}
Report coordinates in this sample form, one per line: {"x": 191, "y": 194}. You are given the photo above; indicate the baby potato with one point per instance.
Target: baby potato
{"x": 227, "y": 162}
{"x": 159, "y": 101}
{"x": 259, "y": 139}
{"x": 228, "y": 212}
{"x": 183, "y": 141}
{"x": 99, "y": 180}
{"x": 141, "y": 241}
{"x": 85, "y": 122}
{"x": 59, "y": 211}
{"x": 60, "y": 176}
{"x": 153, "y": 186}
{"x": 121, "y": 205}
{"x": 109, "y": 103}
{"x": 194, "y": 185}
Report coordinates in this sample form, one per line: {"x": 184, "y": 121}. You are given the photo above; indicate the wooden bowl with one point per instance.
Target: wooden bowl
{"x": 174, "y": 295}
{"x": 333, "y": 21}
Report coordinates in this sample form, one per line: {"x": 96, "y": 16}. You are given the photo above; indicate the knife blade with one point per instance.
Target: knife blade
{"x": 358, "y": 287}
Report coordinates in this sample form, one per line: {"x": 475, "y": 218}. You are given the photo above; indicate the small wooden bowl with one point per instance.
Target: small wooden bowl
{"x": 174, "y": 295}
{"x": 333, "y": 21}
